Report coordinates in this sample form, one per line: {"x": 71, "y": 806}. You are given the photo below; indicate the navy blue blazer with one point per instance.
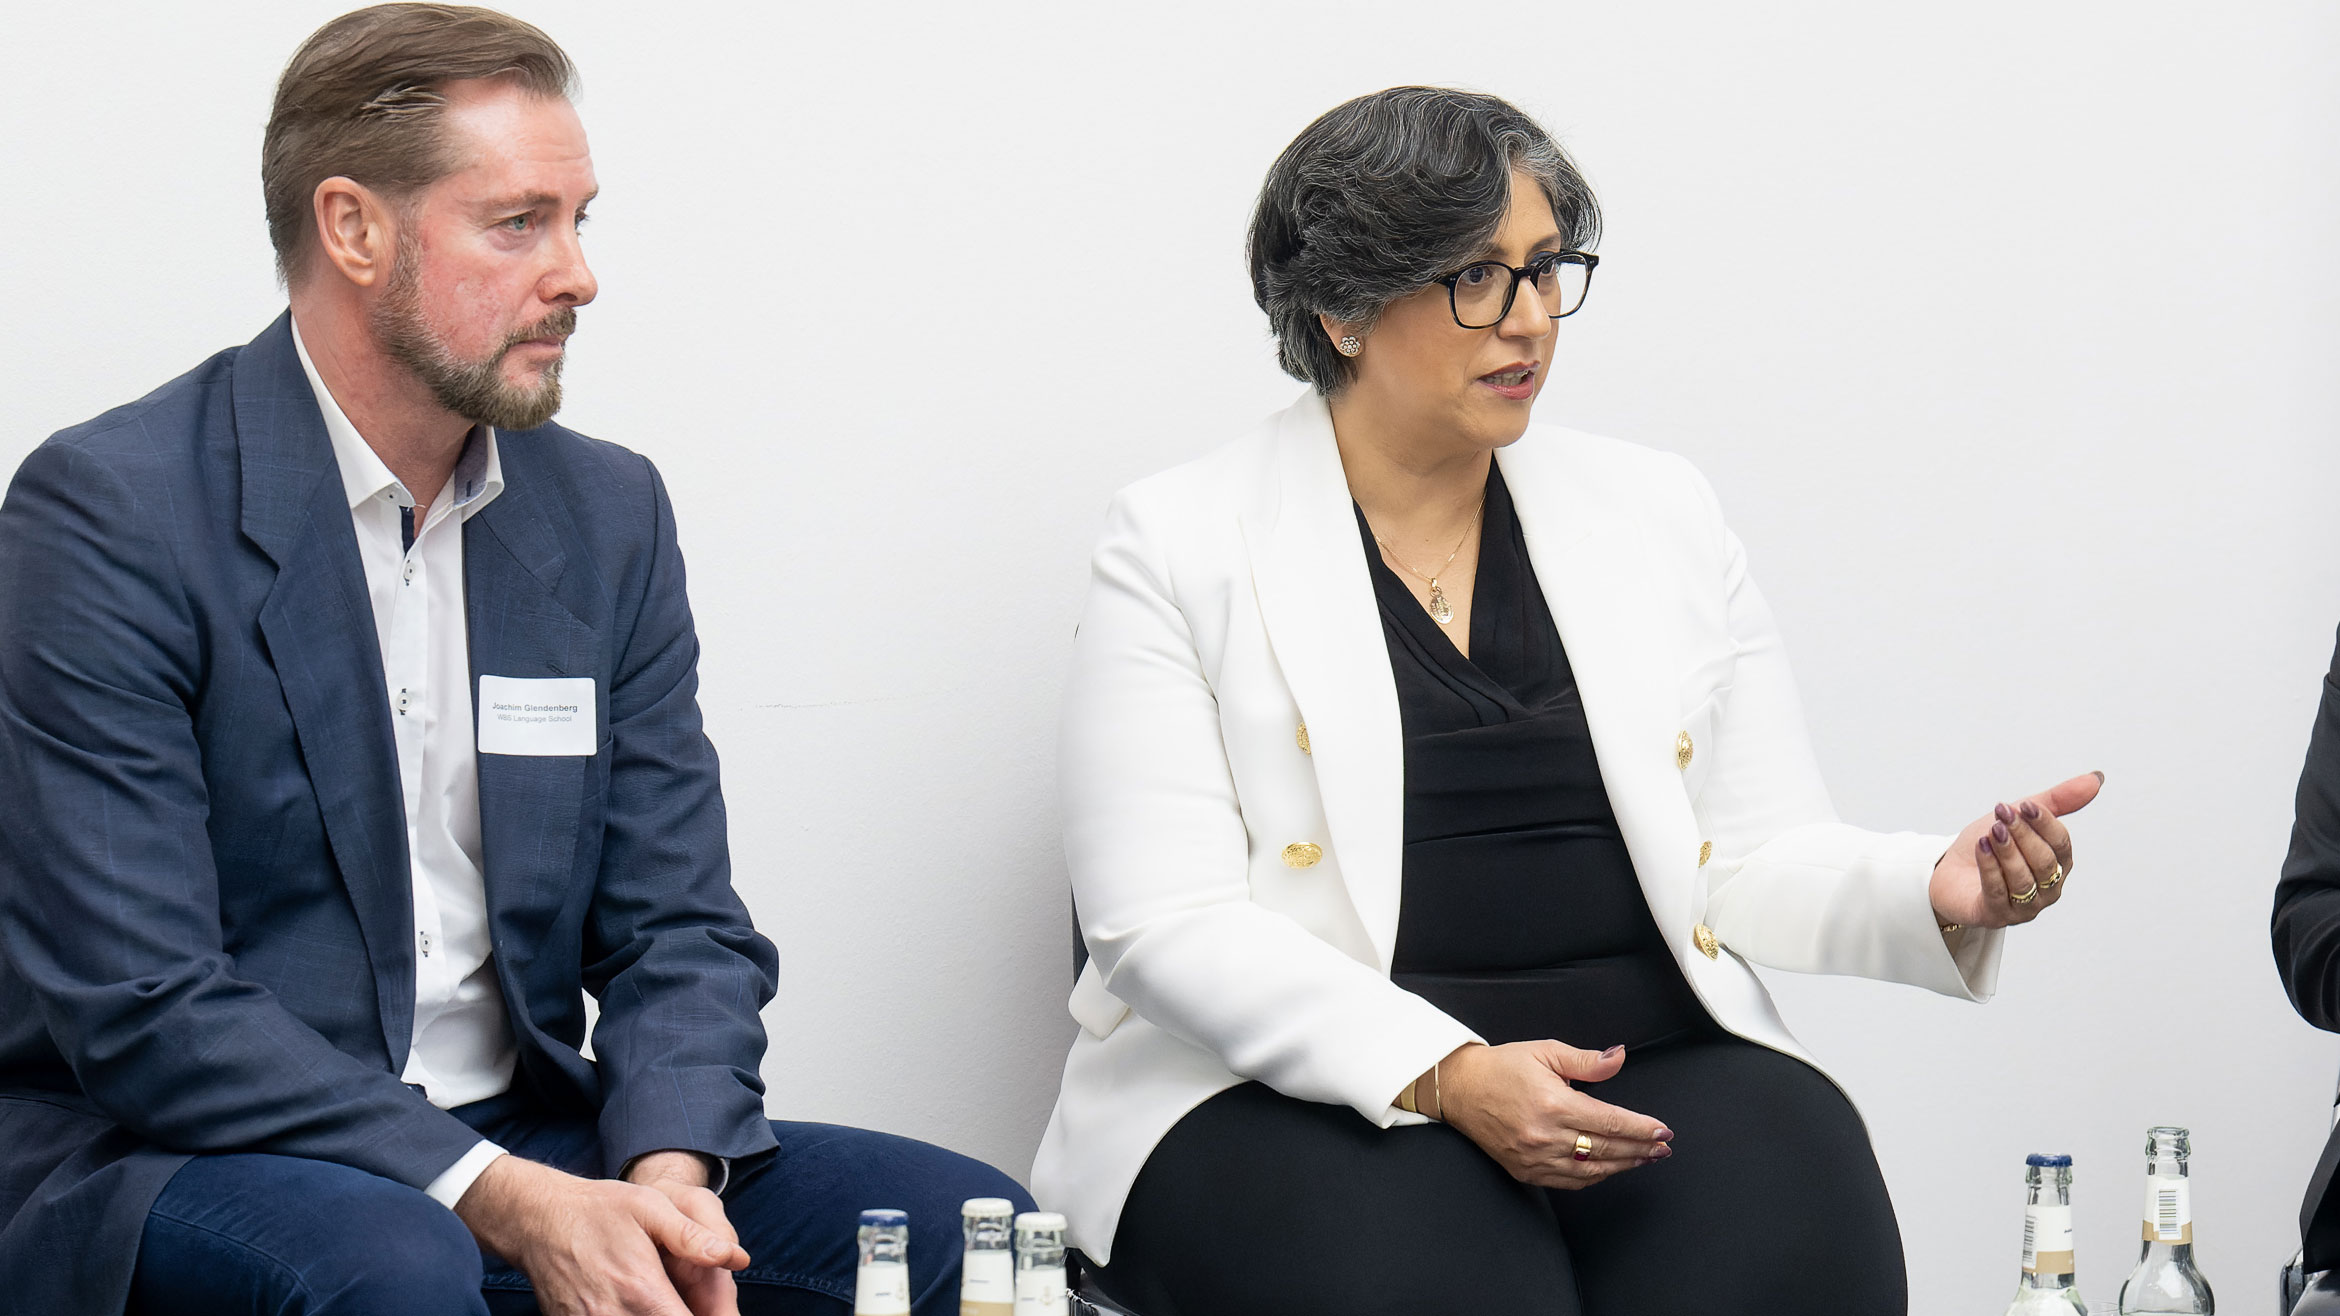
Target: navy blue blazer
{"x": 206, "y": 928}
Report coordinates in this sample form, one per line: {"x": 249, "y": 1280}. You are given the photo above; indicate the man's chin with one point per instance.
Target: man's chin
{"x": 521, "y": 411}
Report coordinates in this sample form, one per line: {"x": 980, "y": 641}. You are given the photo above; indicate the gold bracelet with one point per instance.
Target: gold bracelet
{"x": 1405, "y": 1101}
{"x": 1437, "y": 1091}
{"x": 1948, "y": 928}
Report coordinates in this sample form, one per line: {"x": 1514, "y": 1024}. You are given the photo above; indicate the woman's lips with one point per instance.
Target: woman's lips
{"x": 1517, "y": 383}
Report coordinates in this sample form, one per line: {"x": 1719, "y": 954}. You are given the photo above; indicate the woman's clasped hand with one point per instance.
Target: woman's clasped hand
{"x": 1518, "y": 1102}
{"x": 2010, "y": 864}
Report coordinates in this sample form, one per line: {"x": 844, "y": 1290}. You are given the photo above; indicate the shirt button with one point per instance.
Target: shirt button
{"x": 403, "y": 700}
{"x": 426, "y": 944}
{"x": 410, "y": 571}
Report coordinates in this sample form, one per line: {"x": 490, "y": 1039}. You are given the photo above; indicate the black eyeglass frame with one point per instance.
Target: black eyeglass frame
{"x": 1533, "y": 269}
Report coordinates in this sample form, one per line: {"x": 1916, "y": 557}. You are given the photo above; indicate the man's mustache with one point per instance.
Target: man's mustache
{"x": 559, "y": 324}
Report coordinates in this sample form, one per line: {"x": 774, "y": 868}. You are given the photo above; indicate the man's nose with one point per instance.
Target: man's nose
{"x": 570, "y": 281}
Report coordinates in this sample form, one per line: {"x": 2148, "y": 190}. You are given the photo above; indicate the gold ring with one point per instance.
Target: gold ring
{"x": 2048, "y": 883}
{"x": 1584, "y": 1146}
{"x": 2027, "y": 897}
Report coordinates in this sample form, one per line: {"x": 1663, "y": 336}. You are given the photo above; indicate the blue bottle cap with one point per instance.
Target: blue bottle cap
{"x": 2036, "y": 1159}
{"x": 884, "y": 1219}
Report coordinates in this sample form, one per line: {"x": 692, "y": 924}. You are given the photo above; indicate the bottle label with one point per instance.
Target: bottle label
{"x": 1040, "y": 1292}
{"x": 2169, "y": 1211}
{"x": 987, "y": 1283}
{"x": 2047, "y": 1240}
{"x": 882, "y": 1289}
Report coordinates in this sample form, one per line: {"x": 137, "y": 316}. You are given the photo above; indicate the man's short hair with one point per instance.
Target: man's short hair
{"x": 361, "y": 100}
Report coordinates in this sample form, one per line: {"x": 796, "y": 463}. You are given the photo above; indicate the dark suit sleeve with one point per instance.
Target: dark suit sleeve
{"x": 680, "y": 972}
{"x": 109, "y": 904}
{"x": 2307, "y": 899}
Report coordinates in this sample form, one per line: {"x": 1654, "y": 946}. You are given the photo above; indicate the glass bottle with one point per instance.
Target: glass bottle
{"x": 2045, "y": 1288}
{"x": 882, "y": 1285}
{"x": 1040, "y": 1288}
{"x": 987, "y": 1270}
{"x": 2165, "y": 1282}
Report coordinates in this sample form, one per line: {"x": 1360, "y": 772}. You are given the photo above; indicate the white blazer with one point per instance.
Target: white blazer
{"x": 1233, "y": 781}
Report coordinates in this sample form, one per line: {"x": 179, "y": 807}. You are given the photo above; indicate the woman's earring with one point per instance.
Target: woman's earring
{"x": 1350, "y": 346}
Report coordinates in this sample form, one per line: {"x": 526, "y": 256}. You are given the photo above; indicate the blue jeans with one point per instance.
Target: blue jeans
{"x": 247, "y": 1234}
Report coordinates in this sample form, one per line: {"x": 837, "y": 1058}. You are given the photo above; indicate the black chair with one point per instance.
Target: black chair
{"x": 1087, "y": 1298}
{"x": 2294, "y": 1281}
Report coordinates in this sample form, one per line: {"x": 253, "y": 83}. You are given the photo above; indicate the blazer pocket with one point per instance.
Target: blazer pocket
{"x": 1096, "y": 1010}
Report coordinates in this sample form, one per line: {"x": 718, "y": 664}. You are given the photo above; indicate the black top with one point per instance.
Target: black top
{"x": 1521, "y": 915}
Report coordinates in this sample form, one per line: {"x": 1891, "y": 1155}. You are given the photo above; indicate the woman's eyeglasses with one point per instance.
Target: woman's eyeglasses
{"x": 1481, "y": 295}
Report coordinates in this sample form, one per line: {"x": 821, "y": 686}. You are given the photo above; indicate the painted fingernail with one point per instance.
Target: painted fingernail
{"x": 2100, "y": 779}
{"x": 2005, "y": 814}
{"x": 1983, "y": 845}
{"x": 2029, "y": 810}
{"x": 1612, "y": 1053}
{"x": 2000, "y": 833}
{"x": 1661, "y": 1153}
{"x": 1664, "y": 1134}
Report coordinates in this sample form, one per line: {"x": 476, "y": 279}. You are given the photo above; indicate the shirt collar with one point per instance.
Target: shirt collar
{"x": 479, "y": 471}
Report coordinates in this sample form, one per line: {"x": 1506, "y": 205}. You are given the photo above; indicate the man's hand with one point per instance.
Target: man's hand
{"x": 682, "y": 1177}
{"x": 596, "y": 1247}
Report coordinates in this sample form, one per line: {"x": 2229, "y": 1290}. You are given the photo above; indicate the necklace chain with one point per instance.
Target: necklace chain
{"x": 1440, "y": 610}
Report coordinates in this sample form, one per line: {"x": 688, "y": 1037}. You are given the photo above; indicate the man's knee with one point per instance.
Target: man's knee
{"x": 406, "y": 1253}
{"x": 252, "y": 1232}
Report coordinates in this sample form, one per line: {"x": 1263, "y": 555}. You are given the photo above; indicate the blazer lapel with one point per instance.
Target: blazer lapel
{"x": 1316, "y": 597}
{"x": 514, "y": 566}
{"x": 1596, "y": 574}
{"x": 319, "y": 627}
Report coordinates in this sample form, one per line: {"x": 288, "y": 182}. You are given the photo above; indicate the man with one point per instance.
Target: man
{"x": 2306, "y": 931}
{"x": 348, "y": 732}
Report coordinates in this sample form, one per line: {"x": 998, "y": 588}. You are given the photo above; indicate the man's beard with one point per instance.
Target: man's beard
{"x": 474, "y": 390}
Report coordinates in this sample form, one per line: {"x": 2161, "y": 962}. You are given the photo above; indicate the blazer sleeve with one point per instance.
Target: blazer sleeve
{"x": 1159, "y": 858}
{"x": 109, "y": 905}
{"x": 679, "y": 969}
{"x": 1789, "y": 886}
{"x": 2306, "y": 924}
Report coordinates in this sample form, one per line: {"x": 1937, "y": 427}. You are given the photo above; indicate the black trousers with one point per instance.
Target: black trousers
{"x": 1771, "y": 1203}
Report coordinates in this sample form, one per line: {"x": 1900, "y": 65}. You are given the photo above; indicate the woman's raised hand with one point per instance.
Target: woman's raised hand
{"x": 2011, "y": 863}
{"x": 1516, "y": 1102}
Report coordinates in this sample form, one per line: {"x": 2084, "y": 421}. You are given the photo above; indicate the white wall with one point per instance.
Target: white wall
{"x": 2005, "y": 330}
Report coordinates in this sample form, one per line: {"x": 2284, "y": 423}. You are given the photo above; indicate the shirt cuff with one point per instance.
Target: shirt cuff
{"x": 456, "y": 1179}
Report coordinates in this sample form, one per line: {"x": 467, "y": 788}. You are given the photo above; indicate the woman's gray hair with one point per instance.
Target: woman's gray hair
{"x": 1384, "y": 194}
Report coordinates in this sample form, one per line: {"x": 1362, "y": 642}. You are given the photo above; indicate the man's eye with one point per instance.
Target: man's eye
{"x": 517, "y": 223}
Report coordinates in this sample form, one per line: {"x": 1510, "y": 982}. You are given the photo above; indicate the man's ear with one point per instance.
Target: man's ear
{"x": 354, "y": 231}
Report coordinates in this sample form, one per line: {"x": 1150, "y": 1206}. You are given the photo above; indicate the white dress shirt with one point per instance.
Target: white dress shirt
{"x": 462, "y": 1047}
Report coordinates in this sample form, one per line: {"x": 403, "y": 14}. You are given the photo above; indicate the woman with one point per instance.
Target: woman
{"x": 1457, "y": 792}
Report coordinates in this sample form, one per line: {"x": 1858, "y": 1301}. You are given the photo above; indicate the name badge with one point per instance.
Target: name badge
{"x": 541, "y": 717}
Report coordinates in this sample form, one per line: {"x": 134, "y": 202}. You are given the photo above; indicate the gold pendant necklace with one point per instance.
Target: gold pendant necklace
{"x": 1440, "y": 610}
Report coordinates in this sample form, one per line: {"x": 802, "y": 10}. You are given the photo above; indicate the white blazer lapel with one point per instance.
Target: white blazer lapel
{"x": 1324, "y": 623}
{"x": 1597, "y": 575}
